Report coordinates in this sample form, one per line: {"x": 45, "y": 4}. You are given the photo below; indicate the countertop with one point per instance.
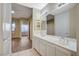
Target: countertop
{"x": 68, "y": 43}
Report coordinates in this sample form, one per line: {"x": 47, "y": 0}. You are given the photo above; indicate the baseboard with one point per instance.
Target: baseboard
{"x": 37, "y": 51}
{"x": 16, "y": 38}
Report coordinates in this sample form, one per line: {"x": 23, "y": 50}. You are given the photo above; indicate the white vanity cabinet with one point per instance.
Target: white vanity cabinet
{"x": 50, "y": 49}
{"x": 62, "y": 52}
{"x": 45, "y": 48}
{"x": 36, "y": 43}
{"x": 39, "y": 45}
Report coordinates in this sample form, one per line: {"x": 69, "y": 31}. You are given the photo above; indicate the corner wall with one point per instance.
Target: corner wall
{"x": 1, "y": 40}
{"x": 31, "y": 27}
{"x": 77, "y": 26}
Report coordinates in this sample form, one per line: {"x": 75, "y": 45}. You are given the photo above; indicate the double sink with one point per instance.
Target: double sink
{"x": 65, "y": 42}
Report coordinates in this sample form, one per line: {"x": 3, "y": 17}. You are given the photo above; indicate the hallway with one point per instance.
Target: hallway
{"x": 21, "y": 44}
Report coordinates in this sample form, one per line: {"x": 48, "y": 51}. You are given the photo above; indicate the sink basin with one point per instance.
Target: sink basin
{"x": 72, "y": 43}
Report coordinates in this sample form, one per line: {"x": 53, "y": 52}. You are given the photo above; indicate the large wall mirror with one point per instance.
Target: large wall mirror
{"x": 50, "y": 25}
{"x": 61, "y": 24}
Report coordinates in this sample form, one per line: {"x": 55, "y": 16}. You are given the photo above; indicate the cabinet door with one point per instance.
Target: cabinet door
{"x": 36, "y": 43}
{"x": 50, "y": 49}
{"x": 43, "y": 48}
{"x": 62, "y": 52}
{"x": 33, "y": 42}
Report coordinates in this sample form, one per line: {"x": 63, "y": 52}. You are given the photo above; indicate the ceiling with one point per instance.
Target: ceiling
{"x": 34, "y": 5}
{"x": 21, "y": 11}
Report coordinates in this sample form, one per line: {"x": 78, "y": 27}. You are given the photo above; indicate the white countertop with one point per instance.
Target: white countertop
{"x": 69, "y": 43}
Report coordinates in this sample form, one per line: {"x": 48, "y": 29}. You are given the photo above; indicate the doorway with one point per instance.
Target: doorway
{"x": 21, "y": 17}
{"x": 50, "y": 24}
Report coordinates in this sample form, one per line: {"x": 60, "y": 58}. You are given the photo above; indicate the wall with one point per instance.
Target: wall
{"x": 72, "y": 22}
{"x": 39, "y": 23}
{"x": 6, "y": 28}
{"x": 31, "y": 27}
{"x": 77, "y": 26}
{"x": 36, "y": 17}
{"x": 1, "y": 41}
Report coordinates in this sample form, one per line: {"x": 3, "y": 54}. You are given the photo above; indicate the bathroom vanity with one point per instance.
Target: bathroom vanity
{"x": 54, "y": 46}
{"x": 57, "y": 43}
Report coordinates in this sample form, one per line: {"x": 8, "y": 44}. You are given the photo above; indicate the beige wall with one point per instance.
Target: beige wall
{"x": 77, "y": 26}
{"x": 72, "y": 22}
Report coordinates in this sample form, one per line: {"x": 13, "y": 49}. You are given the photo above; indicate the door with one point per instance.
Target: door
{"x": 6, "y": 28}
